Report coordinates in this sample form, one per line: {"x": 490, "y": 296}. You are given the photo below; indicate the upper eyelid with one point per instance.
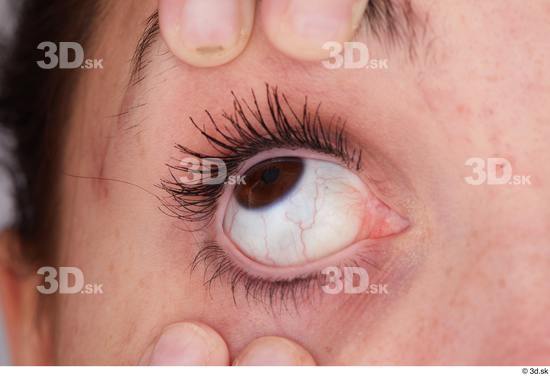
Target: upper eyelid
{"x": 198, "y": 201}
{"x": 382, "y": 174}
{"x": 282, "y": 127}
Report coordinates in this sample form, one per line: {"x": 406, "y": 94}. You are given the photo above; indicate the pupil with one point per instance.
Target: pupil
{"x": 270, "y": 175}
{"x": 269, "y": 181}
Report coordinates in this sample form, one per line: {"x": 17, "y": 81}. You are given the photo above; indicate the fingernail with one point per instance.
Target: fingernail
{"x": 300, "y": 28}
{"x": 209, "y": 26}
{"x": 206, "y": 33}
{"x": 274, "y": 351}
{"x": 183, "y": 344}
{"x": 326, "y": 20}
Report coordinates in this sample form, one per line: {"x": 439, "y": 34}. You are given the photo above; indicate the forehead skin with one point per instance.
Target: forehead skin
{"x": 478, "y": 88}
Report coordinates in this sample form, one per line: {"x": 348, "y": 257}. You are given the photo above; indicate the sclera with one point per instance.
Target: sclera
{"x": 323, "y": 214}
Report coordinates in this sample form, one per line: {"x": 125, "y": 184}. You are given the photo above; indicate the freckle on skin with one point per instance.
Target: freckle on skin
{"x": 488, "y": 112}
{"x": 142, "y": 282}
{"x": 494, "y": 139}
{"x": 463, "y": 110}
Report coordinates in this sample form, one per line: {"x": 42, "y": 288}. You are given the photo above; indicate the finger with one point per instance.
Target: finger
{"x": 206, "y": 33}
{"x": 187, "y": 344}
{"x": 299, "y": 28}
{"x": 274, "y": 351}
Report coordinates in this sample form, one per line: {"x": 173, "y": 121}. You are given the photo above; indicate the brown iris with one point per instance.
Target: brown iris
{"x": 268, "y": 181}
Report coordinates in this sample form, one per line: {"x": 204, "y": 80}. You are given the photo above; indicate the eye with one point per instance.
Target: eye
{"x": 292, "y": 210}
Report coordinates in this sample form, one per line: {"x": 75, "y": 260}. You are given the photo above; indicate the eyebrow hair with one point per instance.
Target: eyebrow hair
{"x": 397, "y": 23}
{"x": 394, "y": 22}
{"x": 149, "y": 36}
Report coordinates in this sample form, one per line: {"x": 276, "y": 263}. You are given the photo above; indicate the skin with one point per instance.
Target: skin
{"x": 468, "y": 280}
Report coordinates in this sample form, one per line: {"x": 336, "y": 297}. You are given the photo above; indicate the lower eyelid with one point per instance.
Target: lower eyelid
{"x": 300, "y": 290}
{"x": 373, "y": 249}
{"x": 378, "y": 224}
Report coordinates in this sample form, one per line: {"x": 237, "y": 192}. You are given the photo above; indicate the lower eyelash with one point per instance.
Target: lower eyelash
{"x": 218, "y": 266}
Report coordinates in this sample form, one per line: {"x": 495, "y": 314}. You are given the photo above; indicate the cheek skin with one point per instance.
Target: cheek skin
{"x": 325, "y": 324}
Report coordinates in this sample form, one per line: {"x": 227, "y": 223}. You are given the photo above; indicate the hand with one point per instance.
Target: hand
{"x": 208, "y": 33}
{"x": 196, "y": 344}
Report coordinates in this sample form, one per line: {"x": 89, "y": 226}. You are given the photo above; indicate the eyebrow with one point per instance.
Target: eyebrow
{"x": 396, "y": 23}
{"x": 140, "y": 57}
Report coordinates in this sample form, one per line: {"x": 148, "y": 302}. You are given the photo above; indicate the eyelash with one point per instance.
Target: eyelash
{"x": 219, "y": 267}
{"x": 247, "y": 134}
{"x": 197, "y": 203}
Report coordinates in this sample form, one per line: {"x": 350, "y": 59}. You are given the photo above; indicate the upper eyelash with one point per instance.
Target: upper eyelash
{"x": 244, "y": 137}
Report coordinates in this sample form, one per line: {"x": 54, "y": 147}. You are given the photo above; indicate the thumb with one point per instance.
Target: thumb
{"x": 274, "y": 351}
{"x": 187, "y": 343}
